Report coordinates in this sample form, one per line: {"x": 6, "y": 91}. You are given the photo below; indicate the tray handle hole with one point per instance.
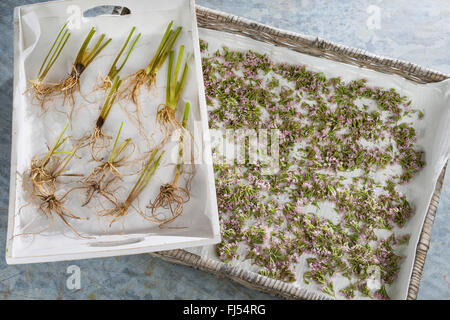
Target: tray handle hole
{"x": 115, "y": 243}
{"x": 106, "y": 10}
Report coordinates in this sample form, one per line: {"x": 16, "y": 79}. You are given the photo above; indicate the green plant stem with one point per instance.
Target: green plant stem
{"x": 116, "y": 152}
{"x": 175, "y": 87}
{"x": 114, "y": 71}
{"x": 180, "y": 153}
{"x": 55, "y": 147}
{"x": 65, "y": 162}
{"x": 54, "y": 53}
{"x": 164, "y": 48}
{"x": 112, "y": 95}
{"x": 164, "y": 39}
{"x": 85, "y": 55}
{"x": 144, "y": 178}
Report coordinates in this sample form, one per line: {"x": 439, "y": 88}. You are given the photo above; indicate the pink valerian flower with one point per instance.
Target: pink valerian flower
{"x": 307, "y": 185}
{"x": 380, "y": 296}
{"x": 298, "y": 208}
{"x": 320, "y": 240}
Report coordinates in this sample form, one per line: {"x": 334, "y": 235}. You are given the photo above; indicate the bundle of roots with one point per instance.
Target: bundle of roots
{"x": 98, "y": 140}
{"x": 104, "y": 176}
{"x": 165, "y": 116}
{"x": 147, "y": 76}
{"x": 51, "y": 206}
{"x": 42, "y": 91}
{"x": 44, "y": 172}
{"x": 43, "y": 175}
{"x": 121, "y": 210}
{"x": 136, "y": 82}
{"x": 99, "y": 186}
{"x": 171, "y": 196}
{"x": 71, "y": 84}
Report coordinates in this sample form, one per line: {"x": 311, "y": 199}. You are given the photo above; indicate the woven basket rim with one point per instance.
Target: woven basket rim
{"x": 277, "y": 287}
{"x": 321, "y": 43}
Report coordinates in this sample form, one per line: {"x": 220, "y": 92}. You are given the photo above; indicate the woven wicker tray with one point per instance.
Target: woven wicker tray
{"x": 211, "y": 19}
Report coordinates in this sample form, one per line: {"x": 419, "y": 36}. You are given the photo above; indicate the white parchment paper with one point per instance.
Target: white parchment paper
{"x": 432, "y": 136}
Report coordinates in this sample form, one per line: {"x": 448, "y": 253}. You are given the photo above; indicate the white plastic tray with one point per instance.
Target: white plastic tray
{"x": 35, "y": 27}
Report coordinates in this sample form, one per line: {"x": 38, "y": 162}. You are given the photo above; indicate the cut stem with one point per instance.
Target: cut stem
{"x": 86, "y": 55}
{"x": 175, "y": 87}
{"x": 147, "y": 76}
{"x": 121, "y": 210}
{"x": 114, "y": 71}
{"x": 98, "y": 134}
{"x": 44, "y": 172}
{"x": 171, "y": 196}
{"x": 145, "y": 177}
{"x": 99, "y": 180}
{"x": 180, "y": 153}
{"x": 54, "y": 53}
{"x": 41, "y": 90}
{"x": 116, "y": 151}
{"x": 165, "y": 116}
{"x": 164, "y": 48}
{"x": 59, "y": 142}
{"x": 84, "y": 58}
{"x": 112, "y": 95}
{"x": 61, "y": 167}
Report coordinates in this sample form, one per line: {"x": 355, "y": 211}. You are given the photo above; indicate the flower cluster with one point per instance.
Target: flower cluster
{"x": 335, "y": 137}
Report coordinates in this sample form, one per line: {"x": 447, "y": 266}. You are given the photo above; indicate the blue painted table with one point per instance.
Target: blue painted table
{"x": 411, "y": 30}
